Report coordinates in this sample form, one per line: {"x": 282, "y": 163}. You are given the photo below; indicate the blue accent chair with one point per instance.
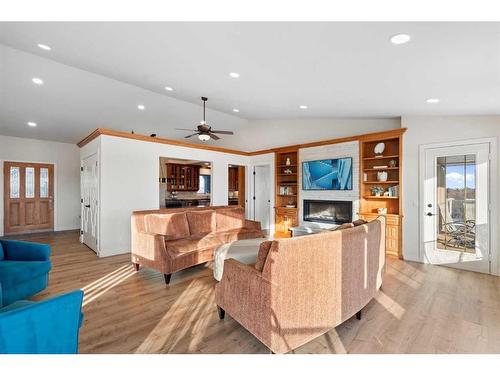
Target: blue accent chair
{"x": 24, "y": 269}
{"x": 45, "y": 327}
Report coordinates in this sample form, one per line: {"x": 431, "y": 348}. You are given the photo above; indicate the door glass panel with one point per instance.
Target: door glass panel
{"x": 456, "y": 200}
{"x": 44, "y": 182}
{"x": 30, "y": 182}
{"x": 14, "y": 182}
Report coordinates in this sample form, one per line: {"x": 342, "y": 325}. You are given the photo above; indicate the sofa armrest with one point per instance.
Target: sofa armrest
{"x": 47, "y": 327}
{"x": 149, "y": 246}
{"x": 250, "y": 224}
{"x": 28, "y": 251}
{"x": 244, "y": 293}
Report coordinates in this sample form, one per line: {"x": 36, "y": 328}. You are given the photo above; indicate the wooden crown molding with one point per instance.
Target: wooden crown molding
{"x": 388, "y": 134}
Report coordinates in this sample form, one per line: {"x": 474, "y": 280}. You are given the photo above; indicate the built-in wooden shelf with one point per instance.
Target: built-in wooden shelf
{"x": 371, "y": 204}
{"x": 380, "y": 169}
{"x": 380, "y": 182}
{"x": 382, "y": 157}
{"x": 286, "y": 217}
{"x": 376, "y": 197}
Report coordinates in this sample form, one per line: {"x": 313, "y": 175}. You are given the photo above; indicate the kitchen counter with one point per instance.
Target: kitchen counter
{"x": 186, "y": 202}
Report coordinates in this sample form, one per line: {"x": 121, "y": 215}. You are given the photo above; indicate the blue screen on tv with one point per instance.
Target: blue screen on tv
{"x": 330, "y": 174}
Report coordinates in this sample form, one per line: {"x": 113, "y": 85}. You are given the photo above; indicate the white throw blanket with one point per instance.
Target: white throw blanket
{"x": 244, "y": 251}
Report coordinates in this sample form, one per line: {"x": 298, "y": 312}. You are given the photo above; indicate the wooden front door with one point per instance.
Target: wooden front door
{"x": 28, "y": 197}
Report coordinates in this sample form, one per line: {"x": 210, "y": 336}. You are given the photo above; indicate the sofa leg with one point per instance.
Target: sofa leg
{"x": 136, "y": 266}
{"x": 221, "y": 312}
{"x": 358, "y": 315}
{"x": 167, "y": 278}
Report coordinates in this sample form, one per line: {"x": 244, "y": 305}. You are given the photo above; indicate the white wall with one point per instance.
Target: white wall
{"x": 66, "y": 160}
{"x": 334, "y": 151}
{"x": 264, "y": 134}
{"x": 129, "y": 182}
{"x": 424, "y": 130}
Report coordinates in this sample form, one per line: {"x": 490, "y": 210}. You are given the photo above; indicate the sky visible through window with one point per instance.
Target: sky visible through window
{"x": 455, "y": 175}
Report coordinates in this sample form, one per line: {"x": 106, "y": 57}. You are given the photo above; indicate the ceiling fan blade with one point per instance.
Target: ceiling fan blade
{"x": 189, "y": 130}
{"x": 191, "y": 135}
{"x": 222, "y": 132}
{"x": 213, "y": 136}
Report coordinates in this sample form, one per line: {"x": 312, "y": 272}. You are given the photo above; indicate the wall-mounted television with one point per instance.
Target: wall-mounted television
{"x": 328, "y": 174}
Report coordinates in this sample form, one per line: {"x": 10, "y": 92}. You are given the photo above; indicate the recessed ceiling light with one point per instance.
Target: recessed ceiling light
{"x": 37, "y": 81}
{"x": 400, "y": 39}
{"x": 303, "y": 106}
{"x": 141, "y": 107}
{"x": 169, "y": 88}
{"x": 44, "y": 46}
{"x": 234, "y": 75}
{"x": 432, "y": 100}
{"x": 236, "y": 110}
{"x": 31, "y": 123}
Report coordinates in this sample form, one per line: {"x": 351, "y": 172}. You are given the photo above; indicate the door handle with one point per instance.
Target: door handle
{"x": 430, "y": 214}
{"x": 87, "y": 205}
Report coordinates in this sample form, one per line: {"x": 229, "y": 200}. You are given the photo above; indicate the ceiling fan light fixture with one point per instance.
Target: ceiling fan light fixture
{"x": 203, "y": 137}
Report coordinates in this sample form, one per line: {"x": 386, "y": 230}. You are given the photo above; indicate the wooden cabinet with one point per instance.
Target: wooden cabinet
{"x": 285, "y": 219}
{"x": 181, "y": 177}
{"x": 232, "y": 178}
{"x": 392, "y": 232}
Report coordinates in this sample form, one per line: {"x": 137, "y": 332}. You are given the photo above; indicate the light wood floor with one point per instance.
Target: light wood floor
{"x": 420, "y": 309}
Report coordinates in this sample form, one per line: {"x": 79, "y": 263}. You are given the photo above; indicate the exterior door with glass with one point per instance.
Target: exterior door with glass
{"x": 456, "y": 216}
{"x": 28, "y": 197}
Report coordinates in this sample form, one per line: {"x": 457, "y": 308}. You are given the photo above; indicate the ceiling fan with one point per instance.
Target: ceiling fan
{"x": 204, "y": 131}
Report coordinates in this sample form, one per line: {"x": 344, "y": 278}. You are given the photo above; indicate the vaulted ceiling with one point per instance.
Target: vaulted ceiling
{"x": 96, "y": 74}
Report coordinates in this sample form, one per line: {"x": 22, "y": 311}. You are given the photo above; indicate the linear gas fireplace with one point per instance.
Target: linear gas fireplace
{"x": 331, "y": 212}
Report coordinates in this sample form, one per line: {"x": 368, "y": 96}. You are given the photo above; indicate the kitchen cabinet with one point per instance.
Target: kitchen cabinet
{"x": 181, "y": 177}
{"x": 233, "y": 179}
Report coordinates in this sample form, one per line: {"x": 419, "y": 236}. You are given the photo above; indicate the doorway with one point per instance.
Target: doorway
{"x": 90, "y": 197}
{"x": 236, "y": 185}
{"x": 262, "y": 195}
{"x": 28, "y": 197}
{"x": 456, "y": 221}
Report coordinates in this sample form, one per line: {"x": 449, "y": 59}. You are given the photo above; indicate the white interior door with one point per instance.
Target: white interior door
{"x": 90, "y": 192}
{"x": 262, "y": 197}
{"x": 456, "y": 224}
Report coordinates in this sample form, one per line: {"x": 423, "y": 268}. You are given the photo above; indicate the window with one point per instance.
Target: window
{"x": 44, "y": 182}
{"x": 204, "y": 184}
{"x": 14, "y": 182}
{"x": 30, "y": 182}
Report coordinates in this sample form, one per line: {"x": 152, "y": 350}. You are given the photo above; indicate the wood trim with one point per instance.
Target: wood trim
{"x": 388, "y": 134}
{"x": 139, "y": 137}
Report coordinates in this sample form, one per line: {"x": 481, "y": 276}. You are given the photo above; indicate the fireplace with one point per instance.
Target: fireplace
{"x": 331, "y": 212}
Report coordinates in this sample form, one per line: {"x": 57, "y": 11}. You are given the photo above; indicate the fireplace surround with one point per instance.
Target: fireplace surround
{"x": 327, "y": 211}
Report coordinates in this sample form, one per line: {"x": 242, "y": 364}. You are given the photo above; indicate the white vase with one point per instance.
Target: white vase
{"x": 382, "y": 176}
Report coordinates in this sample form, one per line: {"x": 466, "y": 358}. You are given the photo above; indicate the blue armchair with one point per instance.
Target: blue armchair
{"x": 24, "y": 269}
{"x": 45, "y": 327}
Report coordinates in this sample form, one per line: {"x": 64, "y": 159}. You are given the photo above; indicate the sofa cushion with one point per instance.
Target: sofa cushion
{"x": 1, "y": 252}
{"x": 201, "y": 222}
{"x": 15, "y": 272}
{"x": 172, "y": 226}
{"x": 238, "y": 234}
{"x": 262, "y": 255}
{"x": 193, "y": 243}
{"x": 230, "y": 218}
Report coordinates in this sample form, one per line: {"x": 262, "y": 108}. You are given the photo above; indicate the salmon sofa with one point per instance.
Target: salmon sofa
{"x": 302, "y": 287}
{"x": 169, "y": 240}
